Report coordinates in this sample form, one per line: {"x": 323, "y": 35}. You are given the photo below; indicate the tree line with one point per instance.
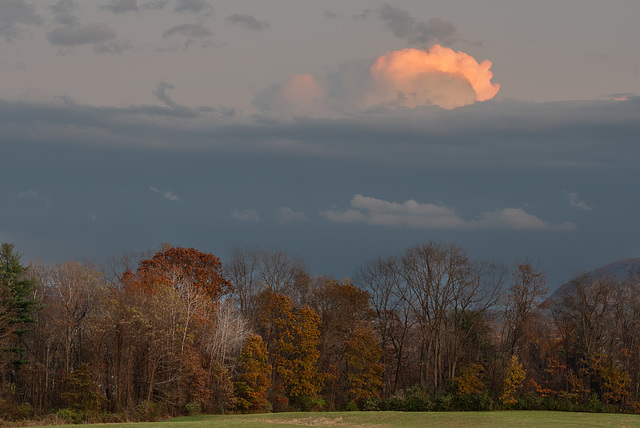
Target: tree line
{"x": 177, "y": 332}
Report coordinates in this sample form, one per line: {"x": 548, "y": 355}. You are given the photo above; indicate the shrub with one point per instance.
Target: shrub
{"x": 394, "y": 403}
{"x": 70, "y": 416}
{"x": 25, "y": 410}
{"x": 193, "y": 408}
{"x": 370, "y": 404}
{"x": 352, "y": 407}
{"x": 443, "y": 402}
{"x": 473, "y": 402}
{"x": 308, "y": 404}
{"x": 529, "y": 402}
{"x": 417, "y": 399}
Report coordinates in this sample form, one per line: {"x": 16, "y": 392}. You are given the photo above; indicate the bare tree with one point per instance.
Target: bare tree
{"x": 254, "y": 271}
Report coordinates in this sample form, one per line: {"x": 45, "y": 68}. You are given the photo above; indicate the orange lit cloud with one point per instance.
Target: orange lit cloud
{"x": 297, "y": 94}
{"x": 406, "y": 78}
{"x": 300, "y": 92}
{"x": 413, "y": 73}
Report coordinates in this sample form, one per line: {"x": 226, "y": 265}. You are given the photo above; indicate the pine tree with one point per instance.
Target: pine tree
{"x": 17, "y": 302}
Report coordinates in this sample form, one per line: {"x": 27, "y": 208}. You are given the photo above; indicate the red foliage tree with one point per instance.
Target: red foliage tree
{"x": 178, "y": 266}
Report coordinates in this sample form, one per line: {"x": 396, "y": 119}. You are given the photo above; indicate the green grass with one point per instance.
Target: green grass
{"x": 527, "y": 419}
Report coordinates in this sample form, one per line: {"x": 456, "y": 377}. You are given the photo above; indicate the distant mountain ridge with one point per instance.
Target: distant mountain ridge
{"x": 620, "y": 270}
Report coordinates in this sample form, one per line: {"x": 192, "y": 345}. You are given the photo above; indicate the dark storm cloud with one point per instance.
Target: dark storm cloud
{"x": 121, "y": 6}
{"x": 248, "y": 22}
{"x": 13, "y": 14}
{"x": 192, "y": 6}
{"x": 195, "y": 31}
{"x": 497, "y": 163}
{"x": 415, "y": 32}
{"x": 579, "y": 136}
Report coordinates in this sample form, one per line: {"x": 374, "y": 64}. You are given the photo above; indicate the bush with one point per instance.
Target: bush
{"x": 443, "y": 402}
{"x": 70, "y": 416}
{"x": 147, "y": 412}
{"x": 352, "y": 407}
{"x": 417, "y": 399}
{"x": 595, "y": 405}
{"x": 25, "y": 410}
{"x": 370, "y": 404}
{"x": 193, "y": 408}
{"x": 394, "y": 403}
{"x": 473, "y": 402}
{"x": 308, "y": 404}
{"x": 529, "y": 402}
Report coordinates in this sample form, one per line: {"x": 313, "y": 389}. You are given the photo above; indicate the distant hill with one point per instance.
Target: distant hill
{"x": 620, "y": 270}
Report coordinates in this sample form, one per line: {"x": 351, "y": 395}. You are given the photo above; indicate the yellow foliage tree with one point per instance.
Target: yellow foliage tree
{"x": 513, "y": 382}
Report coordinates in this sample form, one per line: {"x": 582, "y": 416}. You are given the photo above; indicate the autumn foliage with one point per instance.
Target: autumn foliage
{"x": 181, "y": 266}
{"x": 174, "y": 332}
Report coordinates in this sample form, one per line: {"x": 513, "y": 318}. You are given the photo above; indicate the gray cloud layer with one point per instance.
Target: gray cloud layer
{"x": 13, "y": 14}
{"x": 195, "y": 31}
{"x": 504, "y": 166}
{"x": 81, "y": 35}
{"x": 192, "y": 6}
{"x": 121, "y": 6}
{"x": 248, "y": 22}
{"x": 70, "y": 32}
{"x": 402, "y": 25}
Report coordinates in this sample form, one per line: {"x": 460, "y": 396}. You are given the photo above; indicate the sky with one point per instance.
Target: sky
{"x": 339, "y": 132}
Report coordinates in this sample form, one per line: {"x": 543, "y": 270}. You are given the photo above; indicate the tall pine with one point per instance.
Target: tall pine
{"x": 17, "y": 302}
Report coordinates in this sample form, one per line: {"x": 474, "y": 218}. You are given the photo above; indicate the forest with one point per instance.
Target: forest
{"x": 175, "y": 331}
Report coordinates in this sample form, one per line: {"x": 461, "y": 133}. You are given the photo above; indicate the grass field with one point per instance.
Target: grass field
{"x": 397, "y": 419}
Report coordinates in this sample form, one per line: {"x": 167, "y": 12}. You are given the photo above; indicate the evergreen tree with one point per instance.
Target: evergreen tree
{"x": 17, "y": 302}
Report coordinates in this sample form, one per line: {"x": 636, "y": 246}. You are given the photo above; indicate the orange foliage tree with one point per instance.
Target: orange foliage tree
{"x": 364, "y": 367}
{"x": 254, "y": 375}
{"x": 292, "y": 338}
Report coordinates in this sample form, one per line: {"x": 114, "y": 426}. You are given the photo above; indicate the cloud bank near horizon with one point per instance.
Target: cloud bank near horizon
{"x": 412, "y": 214}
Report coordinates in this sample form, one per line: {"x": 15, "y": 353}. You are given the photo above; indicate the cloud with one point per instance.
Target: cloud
{"x": 575, "y": 202}
{"x": 63, "y": 12}
{"x": 287, "y": 215}
{"x": 409, "y": 213}
{"x": 440, "y": 76}
{"x": 192, "y": 6}
{"x": 517, "y": 219}
{"x": 81, "y": 35}
{"x": 70, "y": 32}
{"x": 329, "y": 15}
{"x": 31, "y": 193}
{"x": 121, "y": 6}
{"x": 245, "y": 215}
{"x": 195, "y": 31}
{"x": 161, "y": 93}
{"x": 248, "y": 22}
{"x": 113, "y": 47}
{"x": 13, "y": 14}
{"x": 377, "y": 212}
{"x": 299, "y": 94}
{"x": 154, "y": 4}
{"x": 402, "y": 25}
{"x": 402, "y": 79}
{"x": 167, "y": 194}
